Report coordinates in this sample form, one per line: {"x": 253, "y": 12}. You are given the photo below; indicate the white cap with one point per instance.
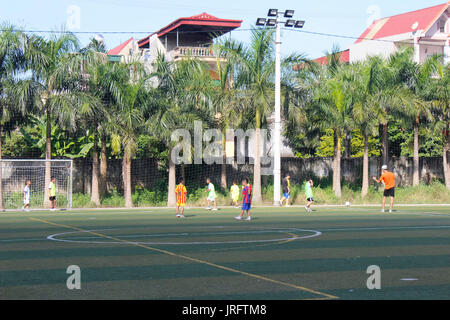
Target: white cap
{"x": 384, "y": 167}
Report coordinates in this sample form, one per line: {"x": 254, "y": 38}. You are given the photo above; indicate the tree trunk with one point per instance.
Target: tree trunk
{"x": 337, "y": 166}
{"x": 445, "y": 161}
{"x": 171, "y": 198}
{"x": 385, "y": 144}
{"x": 48, "y": 156}
{"x": 365, "y": 181}
{"x": 103, "y": 166}
{"x": 348, "y": 145}
{"x": 416, "y": 154}
{"x": 223, "y": 172}
{"x": 1, "y": 170}
{"x": 334, "y": 158}
{"x": 256, "y": 190}
{"x": 182, "y": 173}
{"x": 126, "y": 175}
{"x": 95, "y": 194}
{"x": 264, "y": 181}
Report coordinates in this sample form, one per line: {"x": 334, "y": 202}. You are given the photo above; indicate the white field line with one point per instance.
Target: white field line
{"x": 231, "y": 207}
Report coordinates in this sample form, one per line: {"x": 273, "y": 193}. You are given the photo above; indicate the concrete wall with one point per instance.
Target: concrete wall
{"x": 360, "y": 51}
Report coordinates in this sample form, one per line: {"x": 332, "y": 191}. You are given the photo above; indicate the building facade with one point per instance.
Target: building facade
{"x": 427, "y": 30}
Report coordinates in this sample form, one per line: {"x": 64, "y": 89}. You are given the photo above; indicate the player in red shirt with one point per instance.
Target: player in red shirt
{"x": 246, "y": 200}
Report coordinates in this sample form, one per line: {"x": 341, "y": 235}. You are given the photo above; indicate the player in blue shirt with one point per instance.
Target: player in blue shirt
{"x": 246, "y": 200}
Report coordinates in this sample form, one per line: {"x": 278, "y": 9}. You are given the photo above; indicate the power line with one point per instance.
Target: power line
{"x": 351, "y": 37}
{"x": 332, "y": 35}
{"x": 126, "y": 32}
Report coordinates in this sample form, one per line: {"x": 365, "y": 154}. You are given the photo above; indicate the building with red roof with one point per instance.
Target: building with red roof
{"x": 188, "y": 36}
{"x": 121, "y": 48}
{"x": 344, "y": 57}
{"x": 427, "y": 30}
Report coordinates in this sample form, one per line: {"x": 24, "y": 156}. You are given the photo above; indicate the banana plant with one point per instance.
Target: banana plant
{"x": 62, "y": 145}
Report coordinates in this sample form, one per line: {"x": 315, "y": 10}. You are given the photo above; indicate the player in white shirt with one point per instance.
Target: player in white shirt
{"x": 211, "y": 195}
{"x": 26, "y": 196}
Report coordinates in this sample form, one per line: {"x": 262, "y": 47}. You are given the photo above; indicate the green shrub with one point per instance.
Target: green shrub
{"x": 114, "y": 199}
{"x": 80, "y": 200}
{"x": 145, "y": 198}
{"x": 436, "y": 192}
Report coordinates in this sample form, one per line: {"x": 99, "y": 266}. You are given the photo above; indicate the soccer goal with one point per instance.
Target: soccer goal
{"x": 14, "y": 175}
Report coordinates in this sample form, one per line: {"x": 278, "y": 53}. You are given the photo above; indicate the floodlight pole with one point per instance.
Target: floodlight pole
{"x": 277, "y": 128}
{"x": 277, "y": 113}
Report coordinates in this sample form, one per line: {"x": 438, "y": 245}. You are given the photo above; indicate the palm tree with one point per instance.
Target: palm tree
{"x": 129, "y": 118}
{"x": 55, "y": 85}
{"x": 181, "y": 88}
{"x": 13, "y": 105}
{"x": 438, "y": 93}
{"x": 254, "y": 69}
{"x": 224, "y": 97}
{"x": 367, "y": 93}
{"x": 332, "y": 107}
{"x": 103, "y": 82}
{"x": 413, "y": 79}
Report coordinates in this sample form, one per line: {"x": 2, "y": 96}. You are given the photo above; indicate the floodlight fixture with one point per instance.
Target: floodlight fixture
{"x": 271, "y": 22}
{"x": 261, "y": 21}
{"x": 289, "y": 23}
{"x": 272, "y": 12}
{"x": 299, "y": 23}
{"x": 289, "y": 13}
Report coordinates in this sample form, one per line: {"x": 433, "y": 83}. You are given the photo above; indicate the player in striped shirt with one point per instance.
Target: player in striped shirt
{"x": 181, "y": 193}
{"x": 246, "y": 200}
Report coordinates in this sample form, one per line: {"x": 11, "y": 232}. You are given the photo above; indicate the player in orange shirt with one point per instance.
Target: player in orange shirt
{"x": 388, "y": 178}
{"x": 181, "y": 193}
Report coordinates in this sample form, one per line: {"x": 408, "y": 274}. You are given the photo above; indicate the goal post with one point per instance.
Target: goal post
{"x": 16, "y": 172}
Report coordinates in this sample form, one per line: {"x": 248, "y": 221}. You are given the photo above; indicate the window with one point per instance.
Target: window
{"x": 442, "y": 26}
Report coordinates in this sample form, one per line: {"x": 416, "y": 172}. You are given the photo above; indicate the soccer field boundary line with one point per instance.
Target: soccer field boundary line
{"x": 200, "y": 261}
{"x": 137, "y": 209}
{"x": 385, "y": 228}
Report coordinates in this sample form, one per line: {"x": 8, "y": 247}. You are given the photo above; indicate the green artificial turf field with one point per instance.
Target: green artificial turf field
{"x": 283, "y": 253}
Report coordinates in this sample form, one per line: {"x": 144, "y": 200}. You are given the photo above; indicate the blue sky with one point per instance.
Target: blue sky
{"x": 348, "y": 18}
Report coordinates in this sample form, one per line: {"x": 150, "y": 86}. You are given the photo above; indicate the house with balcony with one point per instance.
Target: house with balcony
{"x": 184, "y": 37}
{"x": 191, "y": 37}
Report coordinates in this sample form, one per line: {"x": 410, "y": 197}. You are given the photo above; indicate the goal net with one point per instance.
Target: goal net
{"x": 14, "y": 175}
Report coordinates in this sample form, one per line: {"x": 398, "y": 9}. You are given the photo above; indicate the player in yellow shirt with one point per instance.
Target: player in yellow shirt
{"x": 181, "y": 193}
{"x": 234, "y": 191}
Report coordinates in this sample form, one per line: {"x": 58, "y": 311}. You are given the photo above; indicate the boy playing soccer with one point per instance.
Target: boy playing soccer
{"x": 246, "y": 201}
{"x": 234, "y": 190}
{"x": 26, "y": 196}
{"x": 286, "y": 190}
{"x": 309, "y": 194}
{"x": 52, "y": 193}
{"x": 181, "y": 193}
{"x": 211, "y": 195}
